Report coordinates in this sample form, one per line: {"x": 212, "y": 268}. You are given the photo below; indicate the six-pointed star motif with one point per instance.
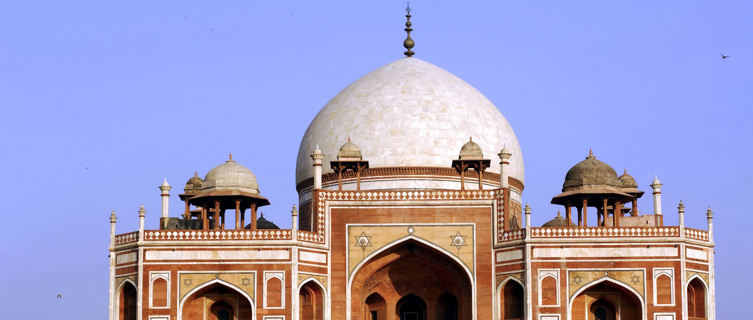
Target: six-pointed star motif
{"x": 458, "y": 240}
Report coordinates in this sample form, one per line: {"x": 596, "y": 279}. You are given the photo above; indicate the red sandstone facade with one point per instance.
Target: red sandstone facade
{"x": 414, "y": 230}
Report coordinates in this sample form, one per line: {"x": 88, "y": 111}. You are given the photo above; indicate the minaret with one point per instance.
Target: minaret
{"x": 317, "y": 156}
{"x": 528, "y": 217}
{"x": 656, "y": 186}
{"x": 681, "y": 214}
{"x": 113, "y": 220}
{"x": 165, "y": 188}
{"x": 294, "y": 215}
{"x": 408, "y": 43}
{"x": 710, "y": 224}
{"x": 142, "y": 214}
{"x": 504, "y": 167}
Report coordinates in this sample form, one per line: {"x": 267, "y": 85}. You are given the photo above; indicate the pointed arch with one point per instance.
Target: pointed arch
{"x": 694, "y": 302}
{"x": 591, "y": 284}
{"x": 220, "y": 282}
{"x": 499, "y": 306}
{"x": 463, "y": 270}
{"x": 399, "y": 242}
{"x": 117, "y": 310}
{"x": 324, "y": 301}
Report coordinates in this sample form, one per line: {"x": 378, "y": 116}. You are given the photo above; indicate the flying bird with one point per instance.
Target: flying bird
{"x": 60, "y": 296}
{"x": 723, "y": 56}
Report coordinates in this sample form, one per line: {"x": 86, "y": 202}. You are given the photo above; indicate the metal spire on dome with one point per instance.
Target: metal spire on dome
{"x": 408, "y": 43}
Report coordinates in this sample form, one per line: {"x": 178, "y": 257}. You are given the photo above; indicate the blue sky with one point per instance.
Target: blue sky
{"x": 102, "y": 100}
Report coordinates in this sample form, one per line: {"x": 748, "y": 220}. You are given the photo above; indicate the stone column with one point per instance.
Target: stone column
{"x": 165, "y": 194}
{"x": 238, "y": 214}
{"x": 681, "y": 213}
{"x": 142, "y": 214}
{"x": 504, "y": 167}
{"x": 216, "y": 214}
{"x": 253, "y": 216}
{"x": 294, "y": 224}
{"x": 317, "y": 156}
{"x": 585, "y": 215}
{"x": 527, "y": 210}
{"x": 113, "y": 219}
{"x": 709, "y": 223}
{"x": 656, "y": 186}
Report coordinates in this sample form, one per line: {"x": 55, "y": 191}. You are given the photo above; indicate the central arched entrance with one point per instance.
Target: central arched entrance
{"x": 216, "y": 301}
{"x": 411, "y": 281}
{"x": 606, "y": 300}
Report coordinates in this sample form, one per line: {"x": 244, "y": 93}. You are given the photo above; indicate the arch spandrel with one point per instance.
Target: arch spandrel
{"x": 457, "y": 240}
{"x": 634, "y": 279}
{"x": 690, "y": 274}
{"x": 245, "y": 282}
{"x": 119, "y": 280}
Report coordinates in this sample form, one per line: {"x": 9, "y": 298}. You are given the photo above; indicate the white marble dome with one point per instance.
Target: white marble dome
{"x": 230, "y": 176}
{"x": 409, "y": 113}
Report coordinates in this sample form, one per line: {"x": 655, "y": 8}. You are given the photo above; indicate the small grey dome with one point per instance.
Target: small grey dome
{"x": 194, "y": 184}
{"x": 627, "y": 181}
{"x": 471, "y": 151}
{"x": 230, "y": 176}
{"x": 263, "y": 223}
{"x": 557, "y": 222}
{"x": 590, "y": 172}
{"x": 349, "y": 151}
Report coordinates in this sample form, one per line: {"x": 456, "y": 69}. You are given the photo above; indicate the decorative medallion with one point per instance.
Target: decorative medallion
{"x": 635, "y": 279}
{"x": 363, "y": 241}
{"x": 577, "y": 279}
{"x": 245, "y": 282}
{"x": 458, "y": 241}
{"x": 187, "y": 282}
{"x": 411, "y": 230}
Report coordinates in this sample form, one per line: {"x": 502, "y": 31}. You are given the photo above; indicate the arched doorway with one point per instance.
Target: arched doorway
{"x": 408, "y": 272}
{"x": 216, "y": 301}
{"x": 311, "y": 302}
{"x": 127, "y": 302}
{"x": 221, "y": 310}
{"x": 602, "y": 309}
{"x": 447, "y": 307}
{"x": 696, "y": 292}
{"x": 606, "y": 300}
{"x": 511, "y": 301}
{"x": 376, "y": 307}
{"x": 411, "y": 307}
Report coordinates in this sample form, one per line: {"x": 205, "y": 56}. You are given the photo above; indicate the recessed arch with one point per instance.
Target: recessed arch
{"x": 592, "y": 284}
{"x": 403, "y": 254}
{"x": 308, "y": 289}
{"x": 222, "y": 283}
{"x": 501, "y": 306}
{"x": 400, "y": 241}
{"x": 127, "y": 312}
{"x": 693, "y": 306}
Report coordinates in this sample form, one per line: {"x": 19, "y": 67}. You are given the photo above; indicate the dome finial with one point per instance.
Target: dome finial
{"x": 408, "y": 43}
{"x": 195, "y": 173}
{"x": 230, "y": 156}
{"x": 590, "y": 152}
{"x": 470, "y": 138}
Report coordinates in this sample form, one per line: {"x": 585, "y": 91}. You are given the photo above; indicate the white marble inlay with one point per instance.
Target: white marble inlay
{"x": 219, "y": 255}
{"x": 605, "y": 252}
{"x": 696, "y": 254}
{"x": 313, "y": 256}
{"x": 509, "y": 255}
{"x": 125, "y": 258}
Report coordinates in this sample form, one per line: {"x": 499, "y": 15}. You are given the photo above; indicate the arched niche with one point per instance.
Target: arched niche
{"x": 410, "y": 267}
{"x": 311, "y": 301}
{"x": 127, "y": 307}
{"x": 216, "y": 294}
{"x": 512, "y": 300}
{"x": 626, "y": 304}
{"x": 696, "y": 294}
